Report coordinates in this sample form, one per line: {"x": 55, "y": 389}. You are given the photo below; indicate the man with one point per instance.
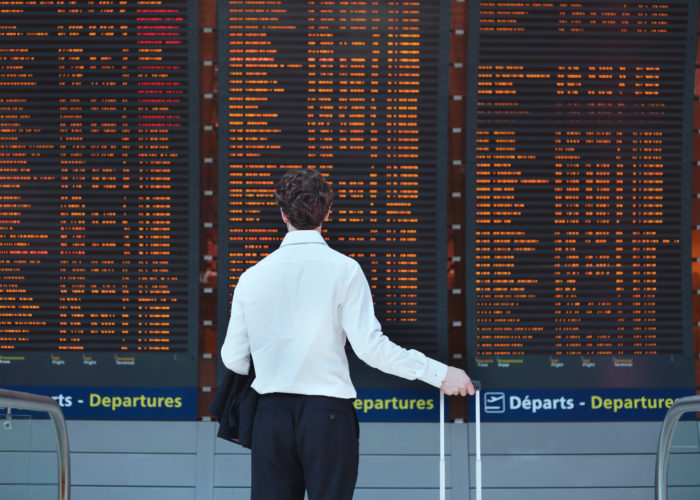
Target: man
{"x": 293, "y": 312}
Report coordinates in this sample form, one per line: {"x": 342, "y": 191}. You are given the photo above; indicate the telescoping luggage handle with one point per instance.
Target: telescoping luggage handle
{"x": 477, "y": 433}
{"x": 477, "y": 409}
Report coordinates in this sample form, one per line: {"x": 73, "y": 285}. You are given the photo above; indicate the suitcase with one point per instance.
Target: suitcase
{"x": 477, "y": 411}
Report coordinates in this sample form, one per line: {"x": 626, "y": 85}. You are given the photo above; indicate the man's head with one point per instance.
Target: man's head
{"x": 304, "y": 197}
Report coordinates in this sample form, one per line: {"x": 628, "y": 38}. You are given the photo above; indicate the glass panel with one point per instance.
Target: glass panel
{"x": 28, "y": 458}
{"x": 684, "y": 461}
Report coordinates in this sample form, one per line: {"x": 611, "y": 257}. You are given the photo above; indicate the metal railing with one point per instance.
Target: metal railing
{"x": 681, "y": 406}
{"x": 33, "y": 402}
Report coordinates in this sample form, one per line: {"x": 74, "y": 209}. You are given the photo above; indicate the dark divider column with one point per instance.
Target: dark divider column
{"x": 695, "y": 266}
{"x": 456, "y": 212}
{"x": 208, "y": 219}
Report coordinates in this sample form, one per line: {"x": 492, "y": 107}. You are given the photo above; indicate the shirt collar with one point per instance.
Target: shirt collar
{"x": 302, "y": 236}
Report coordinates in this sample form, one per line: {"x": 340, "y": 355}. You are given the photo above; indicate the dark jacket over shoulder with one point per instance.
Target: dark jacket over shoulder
{"x": 234, "y": 405}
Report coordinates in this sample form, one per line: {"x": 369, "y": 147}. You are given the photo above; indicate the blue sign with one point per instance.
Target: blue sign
{"x": 577, "y": 404}
{"x": 128, "y": 403}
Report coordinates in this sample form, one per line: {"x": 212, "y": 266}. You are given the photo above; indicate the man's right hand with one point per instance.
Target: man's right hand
{"x": 457, "y": 382}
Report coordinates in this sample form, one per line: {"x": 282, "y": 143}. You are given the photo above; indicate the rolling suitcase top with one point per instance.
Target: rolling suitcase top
{"x": 477, "y": 408}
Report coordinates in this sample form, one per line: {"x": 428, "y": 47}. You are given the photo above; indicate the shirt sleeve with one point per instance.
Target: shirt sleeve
{"x": 235, "y": 353}
{"x": 373, "y": 347}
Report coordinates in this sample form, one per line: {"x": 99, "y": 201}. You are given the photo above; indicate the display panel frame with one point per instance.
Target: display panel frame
{"x": 585, "y": 375}
{"x": 121, "y": 378}
{"x": 339, "y": 231}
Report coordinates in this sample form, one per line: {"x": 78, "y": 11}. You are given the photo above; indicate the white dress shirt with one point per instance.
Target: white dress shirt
{"x": 293, "y": 311}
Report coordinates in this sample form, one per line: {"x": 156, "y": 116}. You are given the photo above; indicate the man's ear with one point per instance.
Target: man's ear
{"x": 284, "y": 217}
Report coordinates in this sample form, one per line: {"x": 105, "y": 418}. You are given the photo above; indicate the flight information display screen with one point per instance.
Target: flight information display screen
{"x": 357, "y": 90}
{"x": 98, "y": 205}
{"x": 578, "y": 194}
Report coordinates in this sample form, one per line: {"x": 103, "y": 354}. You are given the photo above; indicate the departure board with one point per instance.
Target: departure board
{"x": 578, "y": 193}
{"x": 98, "y": 202}
{"x": 356, "y": 89}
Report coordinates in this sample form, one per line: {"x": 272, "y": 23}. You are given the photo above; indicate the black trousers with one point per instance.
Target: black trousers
{"x": 304, "y": 443}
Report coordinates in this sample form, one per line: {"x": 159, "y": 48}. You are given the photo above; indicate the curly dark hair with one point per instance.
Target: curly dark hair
{"x": 304, "y": 196}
